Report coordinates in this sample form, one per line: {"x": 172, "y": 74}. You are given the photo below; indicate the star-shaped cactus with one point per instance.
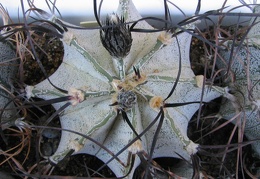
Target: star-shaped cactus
{"x": 106, "y": 86}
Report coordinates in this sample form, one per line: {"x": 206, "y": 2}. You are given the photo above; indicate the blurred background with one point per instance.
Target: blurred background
{"x": 77, "y": 11}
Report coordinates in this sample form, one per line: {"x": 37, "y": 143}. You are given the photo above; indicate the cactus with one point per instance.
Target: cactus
{"x": 114, "y": 93}
{"x": 8, "y": 70}
{"x": 245, "y": 104}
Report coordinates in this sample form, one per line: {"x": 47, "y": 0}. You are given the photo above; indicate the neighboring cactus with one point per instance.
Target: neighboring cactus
{"x": 8, "y": 69}
{"x": 245, "y": 104}
{"x": 105, "y": 90}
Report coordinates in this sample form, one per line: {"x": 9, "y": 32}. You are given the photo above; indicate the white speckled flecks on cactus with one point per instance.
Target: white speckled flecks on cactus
{"x": 246, "y": 80}
{"x": 94, "y": 80}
